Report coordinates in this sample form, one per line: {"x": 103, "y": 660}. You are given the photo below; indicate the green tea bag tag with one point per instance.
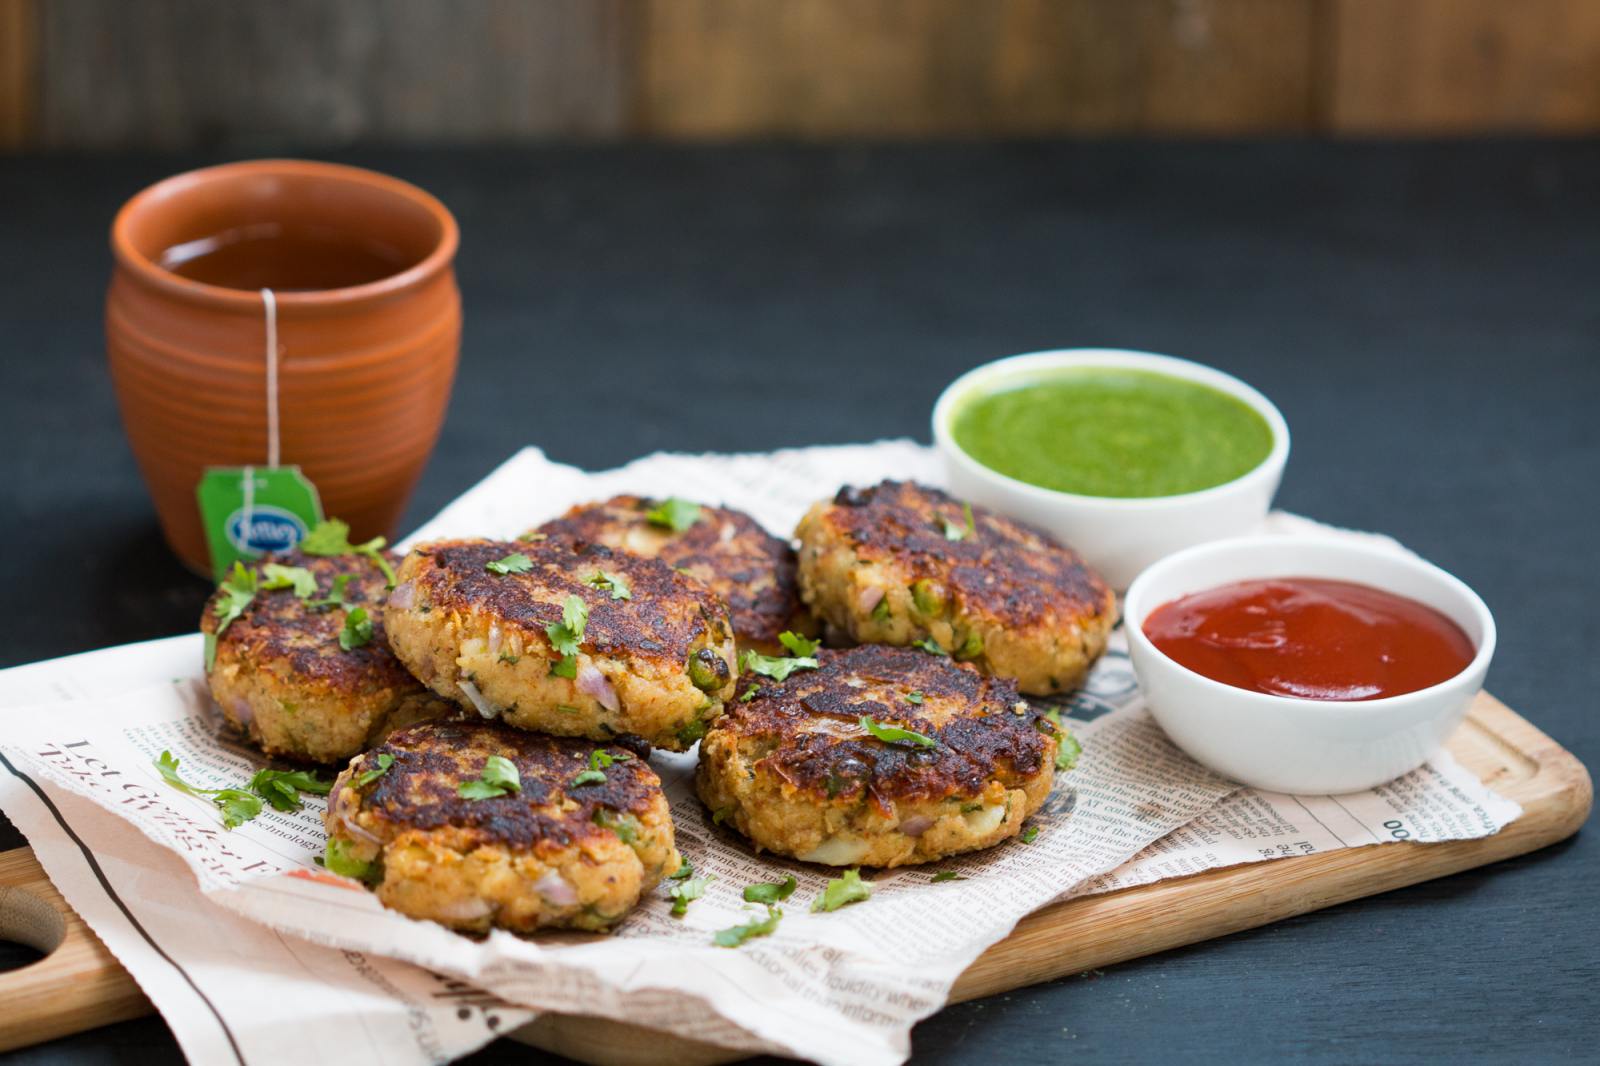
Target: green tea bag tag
{"x": 250, "y": 510}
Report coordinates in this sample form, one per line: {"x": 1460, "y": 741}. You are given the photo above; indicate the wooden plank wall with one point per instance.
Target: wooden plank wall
{"x": 102, "y": 74}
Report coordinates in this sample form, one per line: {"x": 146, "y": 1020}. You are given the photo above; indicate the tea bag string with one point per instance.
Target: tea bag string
{"x": 269, "y": 303}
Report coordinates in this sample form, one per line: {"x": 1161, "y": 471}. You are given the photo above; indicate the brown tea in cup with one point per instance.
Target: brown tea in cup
{"x": 367, "y": 319}
{"x": 285, "y": 257}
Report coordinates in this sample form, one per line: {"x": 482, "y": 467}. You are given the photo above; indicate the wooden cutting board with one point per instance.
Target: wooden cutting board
{"x": 80, "y": 986}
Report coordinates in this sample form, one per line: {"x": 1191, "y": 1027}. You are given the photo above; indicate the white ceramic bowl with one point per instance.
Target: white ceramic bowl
{"x": 1298, "y": 745}
{"x": 1117, "y": 536}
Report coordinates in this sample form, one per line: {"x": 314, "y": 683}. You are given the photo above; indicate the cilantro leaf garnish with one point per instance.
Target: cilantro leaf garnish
{"x": 600, "y": 759}
{"x": 946, "y": 875}
{"x": 675, "y": 514}
{"x": 498, "y": 778}
{"x": 775, "y": 892}
{"x": 1030, "y": 834}
{"x": 1067, "y": 747}
{"x": 892, "y": 733}
{"x": 278, "y": 576}
{"x": 683, "y": 873}
{"x": 357, "y": 631}
{"x": 338, "y": 859}
{"x": 914, "y": 697}
{"x": 384, "y": 761}
{"x": 331, "y": 536}
{"x": 687, "y": 891}
{"x": 750, "y": 693}
{"x": 237, "y": 805}
{"x": 238, "y": 590}
{"x": 929, "y": 645}
{"x": 732, "y": 938}
{"x": 615, "y": 584}
{"x": 282, "y": 788}
{"x": 335, "y": 597}
{"x": 798, "y": 646}
{"x": 776, "y": 668}
{"x": 589, "y": 777}
{"x": 564, "y": 638}
{"x": 843, "y": 891}
{"x": 515, "y": 563}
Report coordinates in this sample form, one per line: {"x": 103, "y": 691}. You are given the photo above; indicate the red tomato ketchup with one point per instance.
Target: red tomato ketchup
{"x": 1310, "y": 638}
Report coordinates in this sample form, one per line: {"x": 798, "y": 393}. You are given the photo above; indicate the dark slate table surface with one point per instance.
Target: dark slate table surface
{"x": 1426, "y": 316}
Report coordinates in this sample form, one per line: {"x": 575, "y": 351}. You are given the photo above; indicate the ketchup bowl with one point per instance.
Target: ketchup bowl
{"x": 1287, "y": 743}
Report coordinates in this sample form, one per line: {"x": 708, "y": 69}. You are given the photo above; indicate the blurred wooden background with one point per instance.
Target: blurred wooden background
{"x": 101, "y": 74}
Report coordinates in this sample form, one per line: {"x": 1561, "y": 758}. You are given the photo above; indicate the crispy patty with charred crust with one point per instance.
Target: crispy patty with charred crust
{"x": 903, "y": 564}
{"x": 554, "y": 853}
{"x": 753, "y": 571}
{"x": 794, "y": 769}
{"x": 652, "y": 654}
{"x": 281, "y": 676}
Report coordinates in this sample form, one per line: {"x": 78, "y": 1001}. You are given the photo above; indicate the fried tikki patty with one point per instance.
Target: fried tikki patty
{"x": 280, "y": 674}
{"x": 903, "y": 564}
{"x": 569, "y": 639}
{"x": 960, "y": 762}
{"x": 583, "y": 835}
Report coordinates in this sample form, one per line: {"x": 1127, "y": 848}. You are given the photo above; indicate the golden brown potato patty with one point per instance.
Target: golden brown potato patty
{"x": 574, "y": 846}
{"x": 655, "y": 657}
{"x": 904, "y": 564}
{"x": 794, "y": 768}
{"x": 281, "y": 676}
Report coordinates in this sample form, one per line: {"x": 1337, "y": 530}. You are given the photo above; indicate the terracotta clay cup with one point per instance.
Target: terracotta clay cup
{"x": 364, "y": 372}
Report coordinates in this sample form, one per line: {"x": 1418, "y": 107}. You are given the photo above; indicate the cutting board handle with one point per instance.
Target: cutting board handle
{"x": 78, "y": 985}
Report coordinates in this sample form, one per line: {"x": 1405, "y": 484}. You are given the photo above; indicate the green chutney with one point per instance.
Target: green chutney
{"x": 1107, "y": 431}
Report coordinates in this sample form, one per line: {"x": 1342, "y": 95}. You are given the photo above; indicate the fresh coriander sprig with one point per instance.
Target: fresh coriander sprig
{"x": 929, "y": 645}
{"x": 798, "y": 646}
{"x": 335, "y": 596}
{"x": 337, "y": 858}
{"x": 732, "y": 938}
{"x": 237, "y": 805}
{"x": 945, "y": 875}
{"x": 278, "y": 576}
{"x": 282, "y": 788}
{"x": 383, "y": 760}
{"x": 357, "y": 631}
{"x": 566, "y": 636}
{"x": 843, "y": 891}
{"x": 1030, "y": 834}
{"x": 771, "y": 892}
{"x": 686, "y": 891}
{"x": 615, "y": 584}
{"x": 331, "y": 536}
{"x": 1067, "y": 747}
{"x": 599, "y": 762}
{"x": 499, "y": 777}
{"x": 892, "y": 733}
{"x": 238, "y": 590}
{"x": 780, "y": 667}
{"x": 515, "y": 563}
{"x": 675, "y": 514}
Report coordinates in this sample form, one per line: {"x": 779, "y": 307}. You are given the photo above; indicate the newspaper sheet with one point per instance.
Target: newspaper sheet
{"x": 210, "y": 918}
